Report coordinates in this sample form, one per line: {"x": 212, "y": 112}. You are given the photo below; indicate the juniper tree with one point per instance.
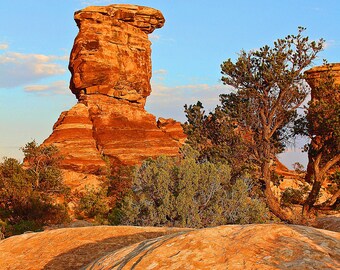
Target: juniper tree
{"x": 269, "y": 89}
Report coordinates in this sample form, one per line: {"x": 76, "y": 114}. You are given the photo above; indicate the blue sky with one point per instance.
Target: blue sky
{"x": 36, "y": 38}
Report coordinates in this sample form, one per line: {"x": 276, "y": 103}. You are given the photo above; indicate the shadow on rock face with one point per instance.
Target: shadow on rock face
{"x": 85, "y": 254}
{"x": 266, "y": 246}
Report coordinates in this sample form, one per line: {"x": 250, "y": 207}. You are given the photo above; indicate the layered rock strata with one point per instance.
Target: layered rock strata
{"x": 110, "y": 65}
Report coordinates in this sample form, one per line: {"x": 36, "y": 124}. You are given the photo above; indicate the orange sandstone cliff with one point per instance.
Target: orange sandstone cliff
{"x": 110, "y": 65}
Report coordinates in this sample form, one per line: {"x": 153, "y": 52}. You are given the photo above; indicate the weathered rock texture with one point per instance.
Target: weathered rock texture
{"x": 111, "y": 69}
{"x": 232, "y": 247}
{"x": 225, "y": 247}
{"x": 111, "y": 54}
{"x": 314, "y": 74}
{"x": 70, "y": 248}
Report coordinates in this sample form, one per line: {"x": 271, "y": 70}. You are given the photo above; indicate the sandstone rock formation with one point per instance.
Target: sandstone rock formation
{"x": 70, "y": 248}
{"x": 314, "y": 74}
{"x": 111, "y": 54}
{"x": 111, "y": 69}
{"x": 266, "y": 246}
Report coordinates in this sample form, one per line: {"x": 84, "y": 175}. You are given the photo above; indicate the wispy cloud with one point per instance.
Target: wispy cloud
{"x": 18, "y": 69}
{"x": 160, "y": 72}
{"x": 168, "y": 101}
{"x": 329, "y": 44}
{"x": 154, "y": 37}
{"x": 55, "y": 88}
{"x": 159, "y": 75}
{"x": 3, "y": 46}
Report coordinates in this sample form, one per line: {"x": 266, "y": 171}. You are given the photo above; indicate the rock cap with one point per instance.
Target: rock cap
{"x": 314, "y": 74}
{"x": 145, "y": 18}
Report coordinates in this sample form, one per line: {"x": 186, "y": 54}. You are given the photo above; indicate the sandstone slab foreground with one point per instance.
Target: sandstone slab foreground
{"x": 232, "y": 247}
{"x": 70, "y": 248}
{"x": 269, "y": 246}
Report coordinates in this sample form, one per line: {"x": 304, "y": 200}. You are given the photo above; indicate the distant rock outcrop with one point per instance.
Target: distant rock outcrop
{"x": 266, "y": 246}
{"x": 111, "y": 69}
{"x": 314, "y": 74}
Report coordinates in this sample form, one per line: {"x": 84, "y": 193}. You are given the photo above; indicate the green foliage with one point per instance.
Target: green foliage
{"x": 335, "y": 178}
{"x": 217, "y": 139}
{"x": 293, "y": 196}
{"x": 299, "y": 168}
{"x": 335, "y": 182}
{"x": 321, "y": 123}
{"x": 28, "y": 193}
{"x": 41, "y": 163}
{"x": 257, "y": 117}
{"x": 118, "y": 183}
{"x": 188, "y": 193}
{"x": 241, "y": 208}
{"x": 23, "y": 226}
{"x": 93, "y": 203}
{"x": 270, "y": 88}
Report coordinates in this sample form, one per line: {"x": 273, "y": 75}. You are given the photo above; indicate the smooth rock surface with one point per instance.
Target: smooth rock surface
{"x": 70, "y": 248}
{"x": 266, "y": 246}
{"x": 232, "y": 247}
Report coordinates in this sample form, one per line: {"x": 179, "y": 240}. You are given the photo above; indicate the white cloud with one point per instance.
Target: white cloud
{"x": 329, "y": 43}
{"x": 3, "y": 46}
{"x": 154, "y": 37}
{"x": 159, "y": 75}
{"x": 18, "y": 69}
{"x": 160, "y": 72}
{"x": 57, "y": 88}
{"x": 168, "y": 101}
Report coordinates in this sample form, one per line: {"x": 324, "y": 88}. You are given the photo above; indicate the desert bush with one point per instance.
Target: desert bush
{"x": 93, "y": 203}
{"x": 292, "y": 196}
{"x": 241, "y": 208}
{"x": 187, "y": 193}
{"x": 28, "y": 192}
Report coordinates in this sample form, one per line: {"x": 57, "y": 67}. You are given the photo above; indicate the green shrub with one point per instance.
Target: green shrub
{"x": 241, "y": 208}
{"x": 28, "y": 192}
{"x": 292, "y": 196}
{"x": 187, "y": 193}
{"x": 93, "y": 203}
{"x": 23, "y": 226}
